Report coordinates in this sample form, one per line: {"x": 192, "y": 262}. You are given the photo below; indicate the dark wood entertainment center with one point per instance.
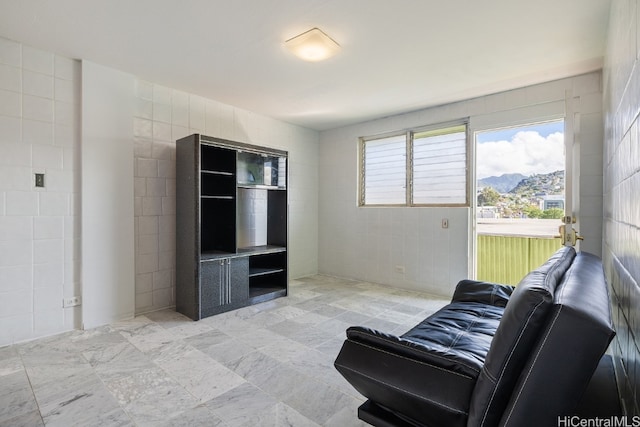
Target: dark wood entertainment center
{"x": 231, "y": 225}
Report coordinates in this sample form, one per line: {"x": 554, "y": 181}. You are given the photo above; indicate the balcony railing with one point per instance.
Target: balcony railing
{"x": 507, "y": 259}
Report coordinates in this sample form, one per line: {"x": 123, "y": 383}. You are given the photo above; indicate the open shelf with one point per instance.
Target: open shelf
{"x": 267, "y": 275}
{"x": 261, "y": 249}
{"x": 217, "y": 184}
{"x": 221, "y": 173}
{"x": 253, "y": 272}
{"x": 216, "y": 159}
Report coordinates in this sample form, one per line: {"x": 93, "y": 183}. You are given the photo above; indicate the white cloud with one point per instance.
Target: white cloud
{"x": 527, "y": 153}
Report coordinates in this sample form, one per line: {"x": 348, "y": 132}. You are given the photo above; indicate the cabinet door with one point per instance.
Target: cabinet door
{"x": 224, "y": 285}
{"x": 239, "y": 277}
{"x": 212, "y": 281}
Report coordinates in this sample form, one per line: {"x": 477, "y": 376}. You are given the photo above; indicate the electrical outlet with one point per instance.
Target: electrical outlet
{"x": 445, "y": 223}
{"x": 39, "y": 180}
{"x": 400, "y": 269}
{"x": 71, "y": 302}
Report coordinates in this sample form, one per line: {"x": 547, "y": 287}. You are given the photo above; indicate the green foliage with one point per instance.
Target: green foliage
{"x": 488, "y": 197}
{"x": 553, "y": 213}
{"x": 532, "y": 212}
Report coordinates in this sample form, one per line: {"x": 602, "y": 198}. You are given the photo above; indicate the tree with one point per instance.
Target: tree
{"x": 553, "y": 213}
{"x": 533, "y": 212}
{"x": 488, "y": 197}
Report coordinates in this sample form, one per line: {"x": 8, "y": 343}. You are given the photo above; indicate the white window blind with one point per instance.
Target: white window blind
{"x": 439, "y": 167}
{"x": 432, "y": 163}
{"x": 385, "y": 171}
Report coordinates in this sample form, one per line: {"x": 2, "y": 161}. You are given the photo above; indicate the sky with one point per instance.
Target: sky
{"x": 527, "y": 150}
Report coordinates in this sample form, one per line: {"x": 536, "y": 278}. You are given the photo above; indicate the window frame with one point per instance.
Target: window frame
{"x": 409, "y": 135}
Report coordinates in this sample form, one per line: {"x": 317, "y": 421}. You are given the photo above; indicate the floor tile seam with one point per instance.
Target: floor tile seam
{"x": 320, "y": 380}
{"x": 276, "y": 399}
{"x": 108, "y": 390}
{"x": 33, "y": 394}
{"x": 284, "y": 401}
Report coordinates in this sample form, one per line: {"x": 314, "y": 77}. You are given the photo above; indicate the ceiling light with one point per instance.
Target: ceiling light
{"x": 313, "y": 45}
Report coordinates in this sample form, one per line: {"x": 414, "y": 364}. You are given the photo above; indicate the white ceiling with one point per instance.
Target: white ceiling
{"x": 397, "y": 55}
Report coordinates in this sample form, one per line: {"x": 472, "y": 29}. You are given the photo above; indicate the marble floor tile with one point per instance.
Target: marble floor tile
{"x": 29, "y": 419}
{"x": 95, "y": 339}
{"x": 117, "y": 361}
{"x": 318, "y": 401}
{"x": 168, "y": 318}
{"x": 200, "y": 375}
{"x": 333, "y": 346}
{"x": 150, "y": 337}
{"x": 259, "y": 338}
{"x": 286, "y": 416}
{"x": 270, "y": 364}
{"x": 151, "y": 396}
{"x": 243, "y": 405}
{"x": 345, "y": 418}
{"x": 54, "y": 375}
{"x": 313, "y": 337}
{"x": 199, "y": 416}
{"x": 16, "y": 396}
{"x": 265, "y": 318}
{"x": 78, "y": 402}
{"x": 280, "y": 382}
{"x": 228, "y": 351}
{"x": 334, "y": 326}
{"x": 251, "y": 365}
{"x": 381, "y": 324}
{"x": 313, "y": 318}
{"x": 284, "y": 349}
{"x": 10, "y": 361}
{"x": 288, "y": 328}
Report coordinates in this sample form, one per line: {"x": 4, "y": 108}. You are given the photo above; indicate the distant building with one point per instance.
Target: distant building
{"x": 551, "y": 202}
{"x": 487, "y": 212}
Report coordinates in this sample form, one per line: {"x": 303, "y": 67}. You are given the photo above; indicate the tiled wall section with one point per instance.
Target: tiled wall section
{"x": 164, "y": 115}
{"x": 39, "y": 227}
{"x": 369, "y": 243}
{"x": 621, "y": 193}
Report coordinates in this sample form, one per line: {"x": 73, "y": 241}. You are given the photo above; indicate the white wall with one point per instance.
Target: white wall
{"x": 107, "y": 196}
{"x": 368, "y": 243}
{"x": 162, "y": 116}
{"x": 39, "y": 227}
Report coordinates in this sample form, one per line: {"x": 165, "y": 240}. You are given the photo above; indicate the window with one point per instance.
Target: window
{"x": 426, "y": 167}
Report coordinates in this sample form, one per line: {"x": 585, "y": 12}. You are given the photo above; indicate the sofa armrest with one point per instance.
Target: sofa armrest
{"x": 406, "y": 377}
{"x": 482, "y": 292}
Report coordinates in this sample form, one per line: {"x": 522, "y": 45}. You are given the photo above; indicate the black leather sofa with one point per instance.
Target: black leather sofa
{"x": 497, "y": 355}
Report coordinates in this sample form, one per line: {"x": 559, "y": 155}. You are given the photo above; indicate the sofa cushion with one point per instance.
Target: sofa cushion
{"x": 524, "y": 317}
{"x": 460, "y": 333}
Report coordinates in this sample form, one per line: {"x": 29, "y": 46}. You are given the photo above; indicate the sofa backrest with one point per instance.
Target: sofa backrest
{"x": 521, "y": 325}
{"x": 577, "y": 334}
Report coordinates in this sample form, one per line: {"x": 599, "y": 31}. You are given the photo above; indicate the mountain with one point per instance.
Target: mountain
{"x": 503, "y": 183}
{"x": 541, "y": 184}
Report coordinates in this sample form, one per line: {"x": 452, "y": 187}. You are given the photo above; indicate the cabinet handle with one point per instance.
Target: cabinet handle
{"x": 228, "y": 281}
{"x": 220, "y": 281}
